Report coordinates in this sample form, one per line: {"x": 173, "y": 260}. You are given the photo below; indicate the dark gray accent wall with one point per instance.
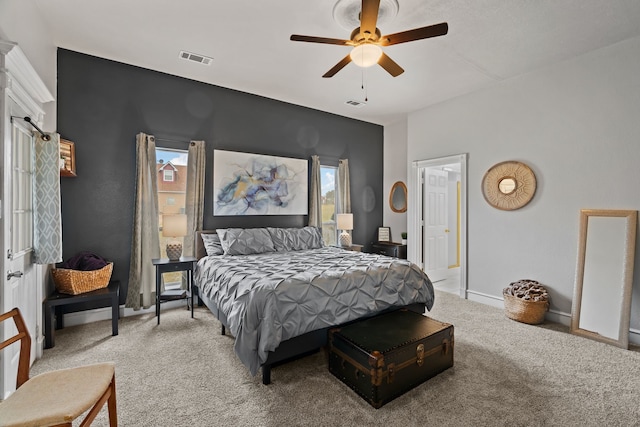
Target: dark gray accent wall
{"x": 103, "y": 104}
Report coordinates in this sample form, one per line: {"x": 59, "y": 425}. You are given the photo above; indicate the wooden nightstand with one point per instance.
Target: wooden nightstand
{"x": 164, "y": 265}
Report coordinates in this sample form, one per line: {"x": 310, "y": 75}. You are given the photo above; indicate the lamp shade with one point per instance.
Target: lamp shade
{"x": 366, "y": 55}
{"x": 174, "y": 225}
{"x": 345, "y": 221}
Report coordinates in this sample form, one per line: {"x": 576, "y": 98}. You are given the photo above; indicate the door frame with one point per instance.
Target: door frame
{"x": 414, "y": 217}
{"x": 22, "y": 92}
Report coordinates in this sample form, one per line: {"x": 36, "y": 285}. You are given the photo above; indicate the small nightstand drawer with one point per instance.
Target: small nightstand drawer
{"x": 386, "y": 250}
{"x": 177, "y": 266}
{"x": 391, "y": 249}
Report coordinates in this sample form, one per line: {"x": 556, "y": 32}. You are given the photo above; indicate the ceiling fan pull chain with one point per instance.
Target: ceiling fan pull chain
{"x": 364, "y": 87}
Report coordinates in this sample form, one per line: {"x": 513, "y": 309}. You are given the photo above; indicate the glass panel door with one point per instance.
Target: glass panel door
{"x": 22, "y": 191}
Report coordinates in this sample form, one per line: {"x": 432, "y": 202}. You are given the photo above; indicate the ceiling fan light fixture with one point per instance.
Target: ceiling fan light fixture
{"x": 366, "y": 54}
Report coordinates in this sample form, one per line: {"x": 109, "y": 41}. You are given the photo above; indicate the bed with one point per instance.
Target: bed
{"x": 278, "y": 290}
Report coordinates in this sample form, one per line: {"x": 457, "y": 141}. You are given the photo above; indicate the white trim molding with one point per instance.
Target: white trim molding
{"x": 554, "y": 316}
{"x": 97, "y": 314}
{"x": 23, "y": 72}
{"x": 414, "y": 219}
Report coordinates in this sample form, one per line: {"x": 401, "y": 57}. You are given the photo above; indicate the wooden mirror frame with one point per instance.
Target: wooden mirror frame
{"x": 398, "y": 186}
{"x": 623, "y": 287}
{"x": 524, "y": 185}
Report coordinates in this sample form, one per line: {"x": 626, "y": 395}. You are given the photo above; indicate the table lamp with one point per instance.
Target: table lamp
{"x": 345, "y": 223}
{"x": 174, "y": 226}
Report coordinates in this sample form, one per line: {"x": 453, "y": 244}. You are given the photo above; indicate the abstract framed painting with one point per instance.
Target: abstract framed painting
{"x": 256, "y": 184}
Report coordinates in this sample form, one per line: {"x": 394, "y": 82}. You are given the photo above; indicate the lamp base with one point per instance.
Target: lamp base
{"x": 174, "y": 251}
{"x": 345, "y": 238}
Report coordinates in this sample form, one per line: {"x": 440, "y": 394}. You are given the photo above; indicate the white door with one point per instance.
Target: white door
{"x": 19, "y": 288}
{"x": 435, "y": 211}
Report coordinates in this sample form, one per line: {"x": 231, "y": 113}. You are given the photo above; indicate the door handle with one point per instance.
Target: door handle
{"x": 11, "y": 274}
{"x": 446, "y": 230}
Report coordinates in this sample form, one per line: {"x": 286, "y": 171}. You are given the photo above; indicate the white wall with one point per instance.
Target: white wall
{"x": 577, "y": 125}
{"x": 21, "y": 22}
{"x": 395, "y": 169}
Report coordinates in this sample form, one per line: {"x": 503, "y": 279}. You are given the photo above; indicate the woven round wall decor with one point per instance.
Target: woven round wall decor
{"x": 509, "y": 185}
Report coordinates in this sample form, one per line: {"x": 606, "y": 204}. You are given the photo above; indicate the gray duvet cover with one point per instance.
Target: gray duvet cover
{"x": 271, "y": 297}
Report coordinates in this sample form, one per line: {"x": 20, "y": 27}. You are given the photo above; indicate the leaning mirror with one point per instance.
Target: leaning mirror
{"x": 601, "y": 307}
{"x": 398, "y": 197}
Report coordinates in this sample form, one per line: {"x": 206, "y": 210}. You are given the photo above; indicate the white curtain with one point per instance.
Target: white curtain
{"x": 194, "y": 205}
{"x": 315, "y": 194}
{"x": 145, "y": 240}
{"x": 47, "y": 239}
{"x": 344, "y": 187}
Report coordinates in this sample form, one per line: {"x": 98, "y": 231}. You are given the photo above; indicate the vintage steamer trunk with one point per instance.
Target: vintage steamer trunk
{"x": 382, "y": 357}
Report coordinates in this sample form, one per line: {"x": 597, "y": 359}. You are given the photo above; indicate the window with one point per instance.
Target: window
{"x": 171, "y": 200}
{"x": 328, "y": 183}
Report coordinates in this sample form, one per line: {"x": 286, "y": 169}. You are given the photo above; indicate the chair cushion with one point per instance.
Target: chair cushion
{"x": 56, "y": 397}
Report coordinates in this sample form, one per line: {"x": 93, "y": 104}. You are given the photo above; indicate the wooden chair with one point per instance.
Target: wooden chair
{"x": 56, "y": 398}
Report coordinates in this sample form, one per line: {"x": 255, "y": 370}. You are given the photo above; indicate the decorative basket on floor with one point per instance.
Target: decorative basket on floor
{"x": 531, "y": 312}
{"x": 526, "y": 310}
{"x": 76, "y": 282}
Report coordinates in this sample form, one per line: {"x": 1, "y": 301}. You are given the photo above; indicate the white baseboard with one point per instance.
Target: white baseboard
{"x": 88, "y": 316}
{"x": 486, "y": 299}
{"x": 551, "y": 315}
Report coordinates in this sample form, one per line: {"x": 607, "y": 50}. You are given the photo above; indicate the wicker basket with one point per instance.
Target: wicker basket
{"x": 531, "y": 312}
{"x": 76, "y": 282}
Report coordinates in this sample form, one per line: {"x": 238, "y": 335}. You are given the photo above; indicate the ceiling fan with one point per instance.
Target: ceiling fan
{"x": 367, "y": 41}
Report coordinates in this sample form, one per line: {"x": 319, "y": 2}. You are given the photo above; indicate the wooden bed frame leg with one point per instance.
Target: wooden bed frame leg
{"x": 266, "y": 374}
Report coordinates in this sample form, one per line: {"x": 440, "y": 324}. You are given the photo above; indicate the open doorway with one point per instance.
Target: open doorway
{"x": 437, "y": 219}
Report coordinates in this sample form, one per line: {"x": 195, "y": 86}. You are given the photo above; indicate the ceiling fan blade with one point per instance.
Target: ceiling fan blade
{"x": 324, "y": 40}
{"x": 415, "y": 34}
{"x": 339, "y": 66}
{"x": 390, "y": 65}
{"x": 369, "y": 16}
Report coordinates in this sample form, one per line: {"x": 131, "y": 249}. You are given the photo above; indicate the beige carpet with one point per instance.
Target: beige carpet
{"x": 184, "y": 373}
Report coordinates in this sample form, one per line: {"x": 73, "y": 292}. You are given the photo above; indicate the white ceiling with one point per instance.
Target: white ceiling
{"x": 488, "y": 41}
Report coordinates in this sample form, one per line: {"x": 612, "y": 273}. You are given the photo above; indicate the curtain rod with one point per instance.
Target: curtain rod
{"x": 27, "y": 119}
{"x": 171, "y": 140}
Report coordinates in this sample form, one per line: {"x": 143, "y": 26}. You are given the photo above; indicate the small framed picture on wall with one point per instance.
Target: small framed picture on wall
{"x": 67, "y": 158}
{"x": 384, "y": 234}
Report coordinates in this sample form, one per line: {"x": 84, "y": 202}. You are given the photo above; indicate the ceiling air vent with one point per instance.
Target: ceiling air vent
{"x": 357, "y": 104}
{"x": 200, "y": 59}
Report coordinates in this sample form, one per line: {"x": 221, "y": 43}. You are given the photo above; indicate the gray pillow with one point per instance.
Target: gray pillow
{"x": 296, "y": 239}
{"x": 245, "y": 241}
{"x": 212, "y": 244}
